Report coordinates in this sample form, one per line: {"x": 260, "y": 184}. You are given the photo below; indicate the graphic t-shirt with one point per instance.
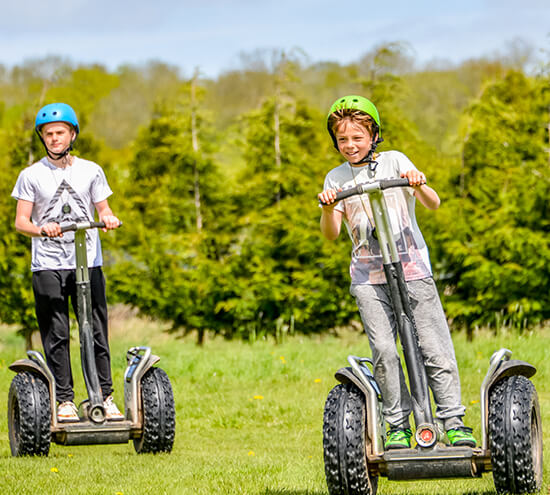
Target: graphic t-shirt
{"x": 366, "y": 259}
{"x": 62, "y": 195}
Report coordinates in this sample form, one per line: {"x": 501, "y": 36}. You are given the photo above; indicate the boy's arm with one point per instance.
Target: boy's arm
{"x": 106, "y": 215}
{"x": 24, "y": 225}
{"x": 425, "y": 194}
{"x": 331, "y": 219}
{"x": 23, "y": 222}
{"x": 331, "y": 222}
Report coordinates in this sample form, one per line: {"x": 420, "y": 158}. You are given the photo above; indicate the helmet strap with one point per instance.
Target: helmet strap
{"x": 51, "y": 154}
{"x": 369, "y": 158}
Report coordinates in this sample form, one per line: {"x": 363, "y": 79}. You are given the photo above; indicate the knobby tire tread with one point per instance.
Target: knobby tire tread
{"x": 344, "y": 427}
{"x": 29, "y": 415}
{"x": 159, "y": 415}
{"x": 513, "y": 402}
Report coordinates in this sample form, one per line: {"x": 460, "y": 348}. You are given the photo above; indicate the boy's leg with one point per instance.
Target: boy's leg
{"x": 99, "y": 326}
{"x": 438, "y": 351}
{"x": 376, "y": 313}
{"x": 52, "y": 313}
{"x": 101, "y": 331}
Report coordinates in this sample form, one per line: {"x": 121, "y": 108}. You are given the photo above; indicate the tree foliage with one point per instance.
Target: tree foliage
{"x": 216, "y": 182}
{"x": 497, "y": 246}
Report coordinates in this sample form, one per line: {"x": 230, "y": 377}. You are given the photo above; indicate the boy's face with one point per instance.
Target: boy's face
{"x": 354, "y": 141}
{"x": 58, "y": 136}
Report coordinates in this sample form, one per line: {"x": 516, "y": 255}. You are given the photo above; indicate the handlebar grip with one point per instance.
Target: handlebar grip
{"x": 348, "y": 192}
{"x": 75, "y": 226}
{"x": 388, "y": 183}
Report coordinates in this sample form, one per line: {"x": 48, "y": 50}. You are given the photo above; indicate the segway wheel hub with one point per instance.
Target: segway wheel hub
{"x": 426, "y": 436}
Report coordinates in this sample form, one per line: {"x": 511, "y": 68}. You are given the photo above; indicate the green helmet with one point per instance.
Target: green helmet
{"x": 355, "y": 102}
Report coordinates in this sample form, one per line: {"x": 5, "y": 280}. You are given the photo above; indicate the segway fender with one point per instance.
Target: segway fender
{"x": 27, "y": 365}
{"x": 346, "y": 375}
{"x": 137, "y": 367}
{"x": 38, "y": 365}
{"x": 373, "y": 403}
{"x": 511, "y": 368}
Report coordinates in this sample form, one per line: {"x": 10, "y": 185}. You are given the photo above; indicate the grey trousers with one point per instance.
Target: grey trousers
{"x": 436, "y": 346}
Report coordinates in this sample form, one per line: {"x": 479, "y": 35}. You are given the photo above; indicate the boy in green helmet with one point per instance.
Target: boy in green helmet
{"x": 354, "y": 126}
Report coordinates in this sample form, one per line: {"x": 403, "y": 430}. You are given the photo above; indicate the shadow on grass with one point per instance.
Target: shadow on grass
{"x": 475, "y": 492}
{"x": 269, "y": 491}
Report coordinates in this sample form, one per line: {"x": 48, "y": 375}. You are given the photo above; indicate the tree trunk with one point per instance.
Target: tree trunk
{"x": 277, "y": 137}
{"x": 195, "y": 143}
{"x": 28, "y": 339}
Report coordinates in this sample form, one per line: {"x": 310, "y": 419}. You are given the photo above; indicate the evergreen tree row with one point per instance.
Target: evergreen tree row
{"x": 216, "y": 184}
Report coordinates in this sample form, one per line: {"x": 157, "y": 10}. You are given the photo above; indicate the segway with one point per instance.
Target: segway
{"x": 353, "y": 424}
{"x": 149, "y": 418}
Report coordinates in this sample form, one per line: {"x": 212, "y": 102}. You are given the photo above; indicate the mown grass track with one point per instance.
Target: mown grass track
{"x": 249, "y": 417}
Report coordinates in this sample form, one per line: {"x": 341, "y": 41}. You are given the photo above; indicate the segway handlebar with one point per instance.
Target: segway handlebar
{"x": 73, "y": 227}
{"x": 378, "y": 185}
{"x": 82, "y": 226}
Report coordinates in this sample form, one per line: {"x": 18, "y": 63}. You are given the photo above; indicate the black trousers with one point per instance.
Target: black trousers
{"x": 52, "y": 291}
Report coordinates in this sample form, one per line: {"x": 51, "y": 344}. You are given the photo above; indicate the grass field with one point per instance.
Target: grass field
{"x": 249, "y": 417}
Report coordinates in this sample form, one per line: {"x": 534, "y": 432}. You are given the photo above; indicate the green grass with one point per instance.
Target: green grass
{"x": 249, "y": 417}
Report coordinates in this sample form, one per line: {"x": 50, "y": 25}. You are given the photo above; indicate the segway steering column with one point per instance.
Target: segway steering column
{"x": 96, "y": 411}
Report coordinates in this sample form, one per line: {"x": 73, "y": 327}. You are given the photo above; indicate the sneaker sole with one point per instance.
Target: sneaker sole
{"x": 68, "y": 420}
{"x": 464, "y": 443}
{"x": 396, "y": 447}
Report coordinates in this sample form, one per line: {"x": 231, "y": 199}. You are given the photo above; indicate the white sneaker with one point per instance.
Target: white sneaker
{"x": 67, "y": 412}
{"x": 111, "y": 410}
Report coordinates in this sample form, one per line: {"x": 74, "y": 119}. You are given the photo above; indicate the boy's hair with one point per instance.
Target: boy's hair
{"x": 337, "y": 118}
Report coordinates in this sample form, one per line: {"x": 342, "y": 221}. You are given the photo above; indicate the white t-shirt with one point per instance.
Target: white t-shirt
{"x": 366, "y": 259}
{"x": 62, "y": 195}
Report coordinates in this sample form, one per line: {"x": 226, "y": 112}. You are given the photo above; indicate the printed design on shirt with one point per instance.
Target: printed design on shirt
{"x": 66, "y": 206}
{"x": 366, "y": 253}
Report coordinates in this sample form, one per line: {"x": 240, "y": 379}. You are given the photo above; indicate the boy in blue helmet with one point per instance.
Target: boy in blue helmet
{"x": 353, "y": 123}
{"x": 62, "y": 188}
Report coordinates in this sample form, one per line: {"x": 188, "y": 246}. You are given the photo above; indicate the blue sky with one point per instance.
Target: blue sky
{"x": 211, "y": 34}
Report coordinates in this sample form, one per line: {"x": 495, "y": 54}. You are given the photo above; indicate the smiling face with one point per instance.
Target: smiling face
{"x": 354, "y": 141}
{"x": 57, "y": 136}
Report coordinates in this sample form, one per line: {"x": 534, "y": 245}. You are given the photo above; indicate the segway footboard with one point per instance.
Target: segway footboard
{"x": 433, "y": 463}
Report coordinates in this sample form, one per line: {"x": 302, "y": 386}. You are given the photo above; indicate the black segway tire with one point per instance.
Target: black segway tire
{"x": 344, "y": 443}
{"x": 515, "y": 436}
{"x": 29, "y": 415}
{"x": 159, "y": 414}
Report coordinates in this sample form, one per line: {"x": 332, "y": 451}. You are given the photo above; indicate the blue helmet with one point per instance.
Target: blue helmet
{"x": 56, "y": 112}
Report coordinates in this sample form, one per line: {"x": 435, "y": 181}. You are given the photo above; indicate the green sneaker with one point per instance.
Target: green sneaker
{"x": 398, "y": 438}
{"x": 461, "y": 437}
